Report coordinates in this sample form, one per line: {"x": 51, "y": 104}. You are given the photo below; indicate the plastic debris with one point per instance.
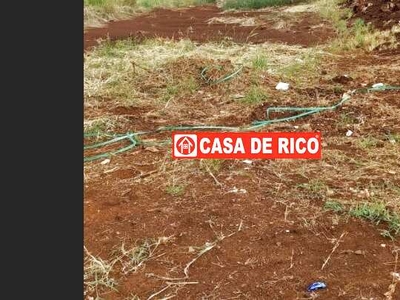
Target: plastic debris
{"x": 247, "y": 161}
{"x": 377, "y": 85}
{"x": 316, "y": 286}
{"x": 396, "y": 275}
{"x": 106, "y": 161}
{"x": 349, "y": 133}
{"x": 237, "y": 191}
{"x": 282, "y": 86}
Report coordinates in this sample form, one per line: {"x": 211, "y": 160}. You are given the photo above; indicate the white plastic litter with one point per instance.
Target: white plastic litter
{"x": 106, "y": 161}
{"x": 282, "y": 86}
{"x": 247, "y": 161}
{"x": 349, "y": 133}
{"x": 377, "y": 85}
{"x": 396, "y": 275}
{"x": 237, "y": 191}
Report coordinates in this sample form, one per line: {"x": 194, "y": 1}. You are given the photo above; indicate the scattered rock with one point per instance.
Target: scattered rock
{"x": 342, "y": 79}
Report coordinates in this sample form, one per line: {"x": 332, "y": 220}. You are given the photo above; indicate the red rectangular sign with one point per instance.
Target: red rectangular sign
{"x": 246, "y": 145}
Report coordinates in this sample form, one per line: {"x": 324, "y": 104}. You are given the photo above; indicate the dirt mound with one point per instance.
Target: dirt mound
{"x": 209, "y": 23}
{"x": 383, "y": 14}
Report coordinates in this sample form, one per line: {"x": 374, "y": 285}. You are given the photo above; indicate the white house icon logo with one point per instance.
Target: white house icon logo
{"x": 185, "y": 145}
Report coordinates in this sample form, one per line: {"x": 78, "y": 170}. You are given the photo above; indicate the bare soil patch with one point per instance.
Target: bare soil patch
{"x": 209, "y": 23}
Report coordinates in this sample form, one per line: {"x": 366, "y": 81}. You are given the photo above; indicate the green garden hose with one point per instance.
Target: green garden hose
{"x": 304, "y": 111}
{"x": 129, "y": 136}
{"x": 220, "y": 80}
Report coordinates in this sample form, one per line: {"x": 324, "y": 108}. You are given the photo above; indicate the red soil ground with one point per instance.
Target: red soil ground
{"x": 383, "y": 14}
{"x": 280, "y": 249}
{"x": 192, "y": 23}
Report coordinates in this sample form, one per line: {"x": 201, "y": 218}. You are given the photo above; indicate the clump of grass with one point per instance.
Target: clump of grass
{"x": 303, "y": 68}
{"x": 367, "y": 142}
{"x": 99, "y": 126}
{"x": 131, "y": 259}
{"x": 357, "y": 36}
{"x": 329, "y": 9}
{"x": 346, "y": 119}
{"x": 260, "y": 62}
{"x": 97, "y": 12}
{"x": 254, "y": 95}
{"x": 116, "y": 49}
{"x": 186, "y": 86}
{"x": 333, "y": 205}
{"x": 360, "y": 36}
{"x": 338, "y": 89}
{"x": 315, "y": 186}
{"x": 393, "y": 137}
{"x": 175, "y": 190}
{"x": 255, "y": 4}
{"x": 211, "y": 165}
{"x": 97, "y": 274}
{"x": 375, "y": 212}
